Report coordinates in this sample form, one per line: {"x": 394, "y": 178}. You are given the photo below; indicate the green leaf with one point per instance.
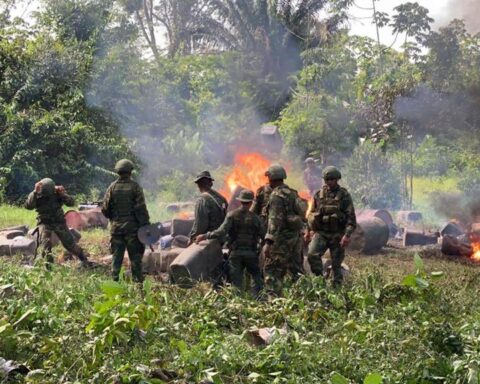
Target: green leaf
{"x": 338, "y": 379}
{"x": 373, "y": 378}
{"x": 409, "y": 281}
{"x": 437, "y": 275}
{"x": 112, "y": 288}
{"x": 422, "y": 283}
{"x": 24, "y": 316}
{"x": 418, "y": 262}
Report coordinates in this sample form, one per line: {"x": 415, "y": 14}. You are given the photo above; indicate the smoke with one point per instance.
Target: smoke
{"x": 456, "y": 206}
{"x": 468, "y": 10}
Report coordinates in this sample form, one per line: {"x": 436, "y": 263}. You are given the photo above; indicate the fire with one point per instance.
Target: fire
{"x": 248, "y": 172}
{"x": 475, "y": 243}
{"x": 306, "y": 196}
{"x": 184, "y": 215}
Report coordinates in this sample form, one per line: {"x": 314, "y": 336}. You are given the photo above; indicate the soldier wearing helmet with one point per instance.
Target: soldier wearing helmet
{"x": 312, "y": 176}
{"x": 47, "y": 199}
{"x": 332, "y": 221}
{"x": 286, "y": 215}
{"x": 243, "y": 231}
{"x": 210, "y": 207}
{"x": 124, "y": 205}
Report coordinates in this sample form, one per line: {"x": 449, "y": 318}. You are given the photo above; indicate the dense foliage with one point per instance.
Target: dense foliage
{"x": 180, "y": 86}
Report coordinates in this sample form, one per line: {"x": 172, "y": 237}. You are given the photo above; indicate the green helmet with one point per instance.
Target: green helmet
{"x": 246, "y": 196}
{"x": 48, "y": 186}
{"x": 276, "y": 172}
{"x": 331, "y": 173}
{"x": 124, "y": 166}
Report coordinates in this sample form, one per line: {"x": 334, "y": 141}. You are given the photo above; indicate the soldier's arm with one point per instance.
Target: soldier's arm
{"x": 68, "y": 200}
{"x": 262, "y": 230}
{"x": 224, "y": 229}
{"x": 257, "y": 203}
{"x": 200, "y": 225}
{"x": 276, "y": 217}
{"x": 31, "y": 202}
{"x": 106, "y": 204}
{"x": 351, "y": 220}
{"x": 141, "y": 212}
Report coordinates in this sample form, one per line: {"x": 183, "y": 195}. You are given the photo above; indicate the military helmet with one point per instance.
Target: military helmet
{"x": 331, "y": 172}
{"x": 203, "y": 175}
{"x": 124, "y": 166}
{"x": 276, "y": 172}
{"x": 48, "y": 186}
{"x": 246, "y": 196}
{"x": 309, "y": 160}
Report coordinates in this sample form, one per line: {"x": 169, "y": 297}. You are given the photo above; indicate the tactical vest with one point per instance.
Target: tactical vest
{"x": 294, "y": 207}
{"x": 244, "y": 233}
{"x": 328, "y": 216}
{"x": 49, "y": 209}
{"x": 123, "y": 200}
{"x": 267, "y": 191}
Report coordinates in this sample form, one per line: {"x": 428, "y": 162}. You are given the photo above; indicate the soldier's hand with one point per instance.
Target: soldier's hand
{"x": 60, "y": 189}
{"x": 38, "y": 187}
{"x": 200, "y": 238}
{"x": 345, "y": 241}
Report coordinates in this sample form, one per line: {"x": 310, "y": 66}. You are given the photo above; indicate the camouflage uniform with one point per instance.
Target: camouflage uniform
{"x": 262, "y": 196}
{"x": 244, "y": 230}
{"x": 333, "y": 216}
{"x": 124, "y": 205}
{"x": 285, "y": 239}
{"x": 51, "y": 220}
{"x": 210, "y": 211}
{"x": 260, "y": 207}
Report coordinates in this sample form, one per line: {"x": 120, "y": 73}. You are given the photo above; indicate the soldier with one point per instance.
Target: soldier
{"x": 333, "y": 221}
{"x": 210, "y": 207}
{"x": 261, "y": 201}
{"x": 47, "y": 199}
{"x": 124, "y": 205}
{"x": 312, "y": 176}
{"x": 244, "y": 230}
{"x": 285, "y": 222}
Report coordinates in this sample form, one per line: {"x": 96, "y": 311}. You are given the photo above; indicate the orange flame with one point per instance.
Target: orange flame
{"x": 475, "y": 243}
{"x": 184, "y": 215}
{"x": 248, "y": 172}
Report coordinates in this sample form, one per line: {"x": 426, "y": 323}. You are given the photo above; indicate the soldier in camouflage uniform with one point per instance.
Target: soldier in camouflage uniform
{"x": 261, "y": 202}
{"x": 244, "y": 230}
{"x": 124, "y": 205}
{"x": 47, "y": 199}
{"x": 312, "y": 176}
{"x": 210, "y": 207}
{"x": 332, "y": 220}
{"x": 285, "y": 223}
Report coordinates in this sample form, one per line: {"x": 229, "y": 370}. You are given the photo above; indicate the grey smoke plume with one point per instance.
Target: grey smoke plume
{"x": 468, "y": 10}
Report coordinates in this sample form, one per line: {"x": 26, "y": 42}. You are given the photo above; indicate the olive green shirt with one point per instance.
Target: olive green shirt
{"x": 124, "y": 205}
{"x": 49, "y": 207}
{"x": 210, "y": 211}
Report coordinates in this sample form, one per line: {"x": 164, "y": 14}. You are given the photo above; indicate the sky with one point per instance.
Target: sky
{"x": 361, "y": 15}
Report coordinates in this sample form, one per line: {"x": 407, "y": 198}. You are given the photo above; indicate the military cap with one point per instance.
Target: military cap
{"x": 309, "y": 160}
{"x": 203, "y": 175}
{"x": 246, "y": 196}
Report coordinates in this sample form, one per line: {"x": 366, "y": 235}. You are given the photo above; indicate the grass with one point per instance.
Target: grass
{"x": 398, "y": 320}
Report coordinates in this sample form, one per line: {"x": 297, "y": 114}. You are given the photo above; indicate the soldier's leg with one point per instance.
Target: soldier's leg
{"x": 117, "y": 245}
{"x": 135, "y": 253}
{"x": 338, "y": 255}
{"x": 252, "y": 265}
{"x": 68, "y": 241}
{"x": 296, "y": 266}
{"x": 45, "y": 244}
{"x": 316, "y": 250}
{"x": 235, "y": 263}
{"x": 275, "y": 269}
